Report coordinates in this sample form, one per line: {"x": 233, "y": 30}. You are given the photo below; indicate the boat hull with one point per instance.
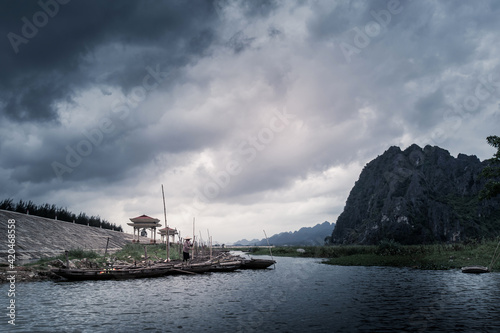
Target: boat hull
{"x": 475, "y": 269}
{"x": 256, "y": 263}
{"x": 192, "y": 268}
{"x": 224, "y": 268}
{"x": 93, "y": 274}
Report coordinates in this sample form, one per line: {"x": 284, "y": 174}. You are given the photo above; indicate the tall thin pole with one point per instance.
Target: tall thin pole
{"x": 180, "y": 244}
{"x": 495, "y": 257}
{"x": 200, "y": 242}
{"x": 193, "y": 241}
{"x": 269, "y": 246}
{"x": 166, "y": 225}
{"x": 106, "y": 251}
{"x": 209, "y": 244}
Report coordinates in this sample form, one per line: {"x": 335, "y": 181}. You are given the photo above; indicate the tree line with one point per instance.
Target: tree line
{"x": 53, "y": 212}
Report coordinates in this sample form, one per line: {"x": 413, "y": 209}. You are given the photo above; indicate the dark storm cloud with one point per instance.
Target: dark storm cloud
{"x": 239, "y": 42}
{"x": 84, "y": 44}
{"x": 426, "y": 107}
{"x": 52, "y": 64}
{"x": 124, "y": 95}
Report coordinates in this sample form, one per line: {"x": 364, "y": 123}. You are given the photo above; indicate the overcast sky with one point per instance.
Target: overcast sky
{"x": 254, "y": 115}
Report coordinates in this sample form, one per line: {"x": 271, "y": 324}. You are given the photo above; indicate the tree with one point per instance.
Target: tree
{"x": 62, "y": 214}
{"x": 7, "y": 204}
{"x": 492, "y": 171}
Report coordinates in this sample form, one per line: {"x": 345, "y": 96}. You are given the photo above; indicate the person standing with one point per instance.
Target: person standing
{"x": 185, "y": 249}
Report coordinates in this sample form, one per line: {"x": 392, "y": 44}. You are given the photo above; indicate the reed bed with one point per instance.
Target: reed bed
{"x": 391, "y": 253}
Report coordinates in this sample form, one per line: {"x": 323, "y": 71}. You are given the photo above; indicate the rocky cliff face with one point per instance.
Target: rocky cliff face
{"x": 418, "y": 196}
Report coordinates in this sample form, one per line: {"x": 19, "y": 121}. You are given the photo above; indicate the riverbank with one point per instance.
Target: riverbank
{"x": 389, "y": 253}
{"x": 136, "y": 254}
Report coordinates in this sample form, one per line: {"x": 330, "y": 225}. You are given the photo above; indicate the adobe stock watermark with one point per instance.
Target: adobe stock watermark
{"x": 11, "y": 272}
{"x": 30, "y": 28}
{"x": 247, "y": 151}
{"x": 364, "y": 35}
{"x": 106, "y": 126}
{"x": 453, "y": 118}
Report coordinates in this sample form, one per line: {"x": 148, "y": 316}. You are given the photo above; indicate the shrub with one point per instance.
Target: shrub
{"x": 389, "y": 247}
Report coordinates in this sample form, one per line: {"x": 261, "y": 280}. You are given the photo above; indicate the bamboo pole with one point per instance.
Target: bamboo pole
{"x": 146, "y": 254}
{"x": 495, "y": 257}
{"x": 200, "y": 241}
{"x": 180, "y": 243}
{"x": 210, "y": 247}
{"x": 269, "y": 246}
{"x": 192, "y": 251}
{"x": 209, "y": 244}
{"x": 106, "y": 251}
{"x": 166, "y": 224}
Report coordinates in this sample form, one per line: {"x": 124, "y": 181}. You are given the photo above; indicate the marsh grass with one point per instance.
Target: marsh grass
{"x": 72, "y": 254}
{"x": 130, "y": 253}
{"x": 390, "y": 253}
{"x": 154, "y": 252}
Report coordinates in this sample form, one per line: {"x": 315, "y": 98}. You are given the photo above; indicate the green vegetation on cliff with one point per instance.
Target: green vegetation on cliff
{"x": 492, "y": 171}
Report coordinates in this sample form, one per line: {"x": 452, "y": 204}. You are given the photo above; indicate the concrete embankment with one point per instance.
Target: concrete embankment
{"x": 39, "y": 237}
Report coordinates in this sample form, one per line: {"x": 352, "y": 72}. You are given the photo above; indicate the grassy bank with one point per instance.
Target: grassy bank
{"x": 129, "y": 253}
{"x": 40, "y": 270}
{"x": 389, "y": 253}
{"x": 154, "y": 252}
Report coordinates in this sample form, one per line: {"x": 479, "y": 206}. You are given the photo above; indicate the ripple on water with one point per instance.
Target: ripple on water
{"x": 300, "y": 295}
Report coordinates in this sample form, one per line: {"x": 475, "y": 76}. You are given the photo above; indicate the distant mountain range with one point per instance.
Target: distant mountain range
{"x": 304, "y": 236}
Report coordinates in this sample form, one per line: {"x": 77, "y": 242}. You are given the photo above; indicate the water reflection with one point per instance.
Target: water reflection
{"x": 300, "y": 295}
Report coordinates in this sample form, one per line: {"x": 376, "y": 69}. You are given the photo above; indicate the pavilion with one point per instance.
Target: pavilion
{"x": 171, "y": 233}
{"x": 144, "y": 221}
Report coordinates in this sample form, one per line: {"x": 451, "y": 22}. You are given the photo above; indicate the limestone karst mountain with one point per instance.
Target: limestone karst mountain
{"x": 418, "y": 196}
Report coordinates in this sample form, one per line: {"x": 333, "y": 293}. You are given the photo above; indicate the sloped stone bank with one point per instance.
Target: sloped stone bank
{"x": 39, "y": 237}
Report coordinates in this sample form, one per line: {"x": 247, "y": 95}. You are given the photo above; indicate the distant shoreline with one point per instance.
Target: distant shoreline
{"x": 387, "y": 253}
{"x": 427, "y": 257}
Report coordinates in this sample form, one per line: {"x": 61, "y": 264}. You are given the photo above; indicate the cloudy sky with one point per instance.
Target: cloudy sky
{"x": 254, "y": 115}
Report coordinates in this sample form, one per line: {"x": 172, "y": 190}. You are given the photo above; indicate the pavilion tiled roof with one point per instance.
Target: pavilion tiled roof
{"x": 144, "y": 221}
{"x": 171, "y": 231}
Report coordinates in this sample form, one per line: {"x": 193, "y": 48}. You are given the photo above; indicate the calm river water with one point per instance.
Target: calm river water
{"x": 300, "y": 295}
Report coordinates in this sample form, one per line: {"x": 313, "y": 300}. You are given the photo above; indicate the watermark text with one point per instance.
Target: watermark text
{"x": 11, "y": 273}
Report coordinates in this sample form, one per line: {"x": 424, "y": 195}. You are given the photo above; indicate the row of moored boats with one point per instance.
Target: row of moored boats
{"x": 162, "y": 269}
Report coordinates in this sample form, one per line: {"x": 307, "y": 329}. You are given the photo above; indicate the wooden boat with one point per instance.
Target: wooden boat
{"x": 475, "y": 269}
{"x": 482, "y": 269}
{"x": 112, "y": 274}
{"x": 256, "y": 263}
{"x": 197, "y": 268}
{"x": 225, "y": 266}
